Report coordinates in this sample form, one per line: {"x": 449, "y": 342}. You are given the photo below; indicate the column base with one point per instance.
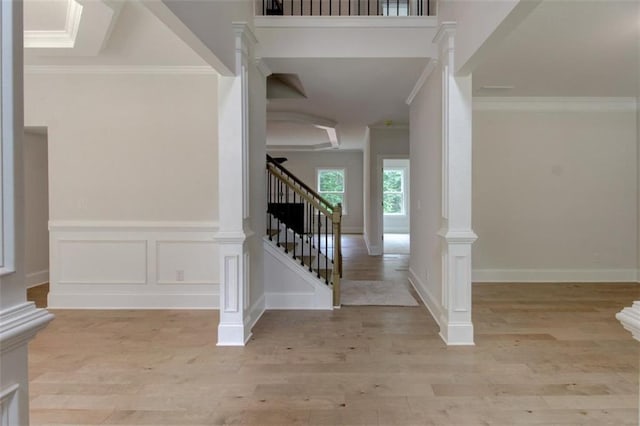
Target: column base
{"x": 233, "y": 335}
{"x": 456, "y": 333}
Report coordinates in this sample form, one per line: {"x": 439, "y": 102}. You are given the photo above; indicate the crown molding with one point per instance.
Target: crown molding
{"x": 426, "y": 72}
{"x": 264, "y": 69}
{"x": 568, "y": 104}
{"x": 303, "y": 148}
{"x": 57, "y": 39}
{"x": 121, "y": 69}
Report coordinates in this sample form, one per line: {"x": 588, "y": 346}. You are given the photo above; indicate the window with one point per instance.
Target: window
{"x": 331, "y": 186}
{"x": 393, "y": 199}
{"x": 394, "y": 8}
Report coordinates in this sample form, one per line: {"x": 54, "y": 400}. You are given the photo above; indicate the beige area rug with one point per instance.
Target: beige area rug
{"x": 376, "y": 293}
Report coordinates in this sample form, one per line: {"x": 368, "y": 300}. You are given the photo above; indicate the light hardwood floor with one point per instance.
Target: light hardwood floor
{"x": 544, "y": 354}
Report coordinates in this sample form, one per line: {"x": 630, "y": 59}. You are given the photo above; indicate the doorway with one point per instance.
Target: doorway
{"x": 395, "y": 205}
{"x": 36, "y": 192}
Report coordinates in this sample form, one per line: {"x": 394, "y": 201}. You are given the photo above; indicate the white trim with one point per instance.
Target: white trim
{"x": 151, "y": 301}
{"x": 294, "y": 301}
{"x": 352, "y": 229}
{"x": 374, "y": 250}
{"x": 427, "y": 298}
{"x": 56, "y": 39}
{"x": 35, "y": 279}
{"x": 554, "y": 275}
{"x": 256, "y": 311}
{"x": 20, "y": 323}
{"x": 302, "y": 148}
{"x": 578, "y": 104}
{"x": 426, "y": 73}
{"x": 346, "y": 22}
{"x": 630, "y": 319}
{"x": 121, "y": 69}
{"x": 263, "y": 68}
{"x": 133, "y": 226}
{"x": 298, "y": 117}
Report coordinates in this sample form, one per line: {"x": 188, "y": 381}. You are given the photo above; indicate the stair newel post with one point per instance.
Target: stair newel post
{"x": 336, "y": 220}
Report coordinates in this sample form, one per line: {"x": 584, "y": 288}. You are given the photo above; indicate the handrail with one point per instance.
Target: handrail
{"x": 293, "y": 177}
{"x": 309, "y": 199}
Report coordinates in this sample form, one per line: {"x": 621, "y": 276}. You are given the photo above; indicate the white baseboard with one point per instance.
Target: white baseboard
{"x": 554, "y": 275}
{"x": 37, "y": 278}
{"x": 256, "y": 312}
{"x": 351, "y": 229}
{"x": 293, "y": 301}
{"x": 433, "y": 306}
{"x": 95, "y": 300}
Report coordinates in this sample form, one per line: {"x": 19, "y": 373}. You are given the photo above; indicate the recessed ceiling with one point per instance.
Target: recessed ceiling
{"x": 348, "y": 91}
{"x": 128, "y": 35}
{"x": 287, "y": 135}
{"x": 45, "y": 15}
{"x": 568, "y": 48}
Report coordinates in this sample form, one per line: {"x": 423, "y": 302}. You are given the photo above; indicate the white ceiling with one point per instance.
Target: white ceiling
{"x": 568, "y": 48}
{"x": 351, "y": 91}
{"x": 355, "y": 93}
{"x": 135, "y": 37}
{"x": 45, "y": 15}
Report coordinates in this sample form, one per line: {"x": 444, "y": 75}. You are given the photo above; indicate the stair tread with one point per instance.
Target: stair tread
{"x": 272, "y": 232}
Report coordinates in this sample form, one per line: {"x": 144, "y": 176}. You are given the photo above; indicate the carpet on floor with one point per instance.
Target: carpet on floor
{"x": 375, "y": 293}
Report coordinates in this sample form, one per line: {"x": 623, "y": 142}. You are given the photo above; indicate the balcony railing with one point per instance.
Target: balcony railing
{"x": 346, "y": 7}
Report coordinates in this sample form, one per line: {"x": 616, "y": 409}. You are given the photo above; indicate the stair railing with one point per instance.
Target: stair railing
{"x": 347, "y": 7}
{"x": 311, "y": 225}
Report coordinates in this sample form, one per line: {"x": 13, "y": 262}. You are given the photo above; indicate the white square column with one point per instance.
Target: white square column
{"x": 456, "y": 327}
{"x": 233, "y": 195}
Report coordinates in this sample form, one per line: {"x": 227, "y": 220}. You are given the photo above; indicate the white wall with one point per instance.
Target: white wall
{"x": 481, "y": 25}
{"x": 36, "y": 188}
{"x": 257, "y": 182}
{"x": 425, "y": 264}
{"x": 132, "y": 165}
{"x": 383, "y": 142}
{"x": 211, "y": 22}
{"x": 305, "y": 164}
{"x": 399, "y": 224}
{"x": 555, "y": 195}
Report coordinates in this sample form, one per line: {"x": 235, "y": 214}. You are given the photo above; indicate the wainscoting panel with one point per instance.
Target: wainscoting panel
{"x": 181, "y": 262}
{"x": 133, "y": 265}
{"x": 102, "y": 261}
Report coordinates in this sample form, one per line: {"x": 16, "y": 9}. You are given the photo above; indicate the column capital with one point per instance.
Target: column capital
{"x": 458, "y": 236}
{"x": 445, "y": 34}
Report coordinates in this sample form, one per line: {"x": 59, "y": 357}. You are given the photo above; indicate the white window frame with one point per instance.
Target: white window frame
{"x": 344, "y": 192}
{"x": 403, "y": 172}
